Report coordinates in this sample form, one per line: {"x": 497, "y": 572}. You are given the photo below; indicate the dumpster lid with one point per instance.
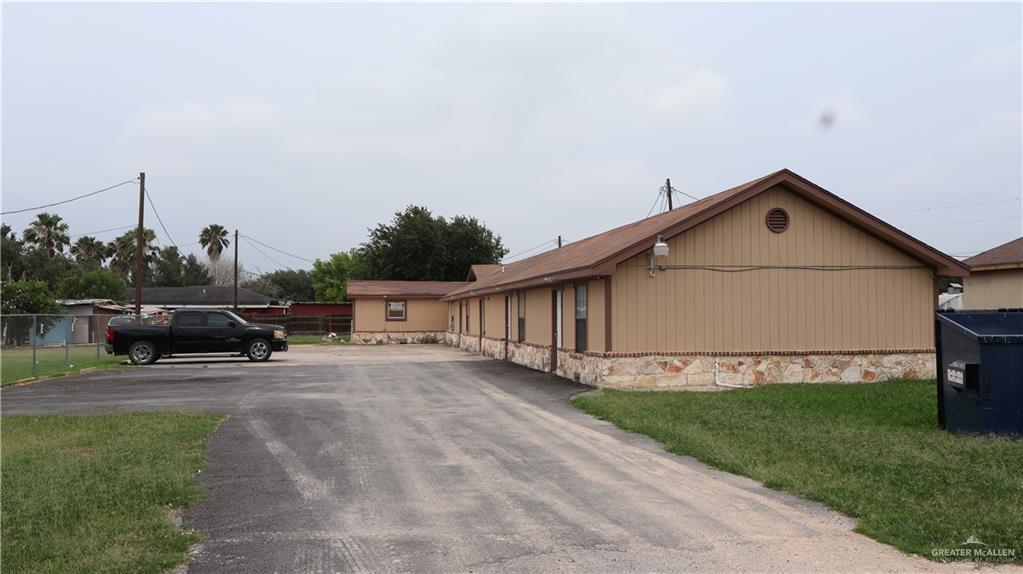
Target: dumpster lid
{"x": 991, "y": 327}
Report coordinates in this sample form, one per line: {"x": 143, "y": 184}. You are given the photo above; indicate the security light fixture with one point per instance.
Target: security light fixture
{"x": 658, "y": 256}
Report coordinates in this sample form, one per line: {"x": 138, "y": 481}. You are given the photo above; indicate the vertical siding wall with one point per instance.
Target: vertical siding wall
{"x": 494, "y": 310}
{"x": 421, "y": 315}
{"x": 568, "y": 317}
{"x": 994, "y": 289}
{"x": 538, "y": 316}
{"x": 776, "y": 309}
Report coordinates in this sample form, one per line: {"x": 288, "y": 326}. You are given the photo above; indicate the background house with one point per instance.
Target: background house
{"x": 400, "y": 311}
{"x": 996, "y": 278}
{"x": 208, "y": 297}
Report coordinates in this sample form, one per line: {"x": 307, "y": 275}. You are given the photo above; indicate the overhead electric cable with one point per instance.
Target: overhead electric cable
{"x": 83, "y": 196}
{"x": 533, "y": 248}
{"x": 158, "y": 218}
{"x": 263, "y": 253}
{"x": 277, "y": 250}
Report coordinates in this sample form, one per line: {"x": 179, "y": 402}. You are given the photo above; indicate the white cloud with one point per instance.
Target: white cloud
{"x": 699, "y": 94}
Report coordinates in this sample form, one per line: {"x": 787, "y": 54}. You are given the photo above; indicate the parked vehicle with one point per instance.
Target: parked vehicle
{"x": 195, "y": 331}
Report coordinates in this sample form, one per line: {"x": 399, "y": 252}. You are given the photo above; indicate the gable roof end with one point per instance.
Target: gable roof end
{"x": 1005, "y": 256}
{"x": 599, "y": 254}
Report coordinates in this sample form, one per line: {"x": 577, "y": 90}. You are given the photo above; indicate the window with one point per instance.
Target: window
{"x": 395, "y": 310}
{"x": 522, "y": 317}
{"x": 580, "y": 318}
{"x": 190, "y": 319}
{"x": 217, "y": 320}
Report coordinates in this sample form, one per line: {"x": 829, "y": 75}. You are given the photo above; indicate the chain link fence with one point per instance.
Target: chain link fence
{"x": 36, "y": 345}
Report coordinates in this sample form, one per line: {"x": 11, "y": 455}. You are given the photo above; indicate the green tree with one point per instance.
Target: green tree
{"x": 27, "y": 297}
{"x": 469, "y": 242}
{"x": 292, "y": 285}
{"x": 168, "y": 268}
{"x": 122, "y": 250}
{"x": 38, "y": 265}
{"x": 416, "y": 245}
{"x": 89, "y": 252}
{"x": 214, "y": 239}
{"x": 12, "y": 252}
{"x": 95, "y": 284}
{"x": 330, "y": 277}
{"x": 47, "y": 232}
{"x": 193, "y": 272}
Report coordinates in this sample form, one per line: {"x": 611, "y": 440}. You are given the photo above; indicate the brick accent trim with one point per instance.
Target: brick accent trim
{"x": 750, "y": 353}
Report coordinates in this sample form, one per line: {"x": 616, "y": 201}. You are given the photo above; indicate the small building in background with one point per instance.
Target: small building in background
{"x": 400, "y": 311}
{"x": 84, "y": 322}
{"x": 208, "y": 297}
{"x": 996, "y": 278}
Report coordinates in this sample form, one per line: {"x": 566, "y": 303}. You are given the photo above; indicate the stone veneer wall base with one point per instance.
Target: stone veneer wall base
{"x": 689, "y": 371}
{"x": 397, "y": 337}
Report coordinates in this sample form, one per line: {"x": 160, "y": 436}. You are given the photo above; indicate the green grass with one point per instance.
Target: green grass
{"x": 872, "y": 452}
{"x": 92, "y": 493}
{"x": 316, "y": 340}
{"x": 16, "y": 364}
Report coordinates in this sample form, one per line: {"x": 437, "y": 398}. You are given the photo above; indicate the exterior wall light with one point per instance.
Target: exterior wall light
{"x": 658, "y": 256}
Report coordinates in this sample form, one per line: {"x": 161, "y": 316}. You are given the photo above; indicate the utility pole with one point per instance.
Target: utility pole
{"x": 667, "y": 189}
{"x": 138, "y": 247}
{"x": 559, "y": 242}
{"x": 235, "y": 270}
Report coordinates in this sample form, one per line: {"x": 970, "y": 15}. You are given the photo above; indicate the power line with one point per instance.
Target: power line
{"x": 103, "y": 231}
{"x": 960, "y": 222}
{"x": 254, "y": 246}
{"x": 83, "y": 196}
{"x": 949, "y": 206}
{"x": 656, "y": 201}
{"x": 534, "y": 248}
{"x": 158, "y": 218}
{"x": 277, "y": 250}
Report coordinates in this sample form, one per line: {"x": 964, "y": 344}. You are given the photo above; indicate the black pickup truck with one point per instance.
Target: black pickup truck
{"x": 195, "y": 331}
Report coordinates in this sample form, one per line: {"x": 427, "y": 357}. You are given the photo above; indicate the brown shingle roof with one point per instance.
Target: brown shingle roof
{"x": 598, "y": 254}
{"x": 1008, "y": 254}
{"x": 481, "y": 270}
{"x": 416, "y": 289}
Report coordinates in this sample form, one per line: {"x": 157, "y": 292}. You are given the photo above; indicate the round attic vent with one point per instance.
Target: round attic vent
{"x": 777, "y": 220}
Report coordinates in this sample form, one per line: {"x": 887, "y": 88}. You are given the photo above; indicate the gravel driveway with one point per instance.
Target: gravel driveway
{"x": 427, "y": 459}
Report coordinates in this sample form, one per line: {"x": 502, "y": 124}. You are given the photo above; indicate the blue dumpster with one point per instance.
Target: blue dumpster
{"x": 980, "y": 371}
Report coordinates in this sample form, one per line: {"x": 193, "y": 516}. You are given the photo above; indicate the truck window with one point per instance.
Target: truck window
{"x": 217, "y": 320}
{"x": 190, "y": 319}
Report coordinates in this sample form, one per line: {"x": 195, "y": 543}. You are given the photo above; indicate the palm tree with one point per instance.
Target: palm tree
{"x": 89, "y": 251}
{"x": 48, "y": 232}
{"x": 122, "y": 250}
{"x": 214, "y": 238}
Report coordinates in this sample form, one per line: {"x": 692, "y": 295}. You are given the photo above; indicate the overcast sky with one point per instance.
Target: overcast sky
{"x": 302, "y": 125}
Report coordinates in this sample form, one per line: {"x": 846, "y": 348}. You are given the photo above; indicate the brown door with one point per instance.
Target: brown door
{"x": 554, "y": 330}
{"x": 507, "y": 324}
{"x": 483, "y": 324}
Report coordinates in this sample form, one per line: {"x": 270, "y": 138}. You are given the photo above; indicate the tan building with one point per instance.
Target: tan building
{"x": 399, "y": 311}
{"x": 996, "y": 278}
{"x": 776, "y": 280}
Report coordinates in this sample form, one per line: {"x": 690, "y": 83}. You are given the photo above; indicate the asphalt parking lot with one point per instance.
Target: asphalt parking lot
{"x": 427, "y": 459}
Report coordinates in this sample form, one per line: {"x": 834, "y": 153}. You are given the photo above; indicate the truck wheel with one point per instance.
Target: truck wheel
{"x": 142, "y": 353}
{"x": 259, "y": 350}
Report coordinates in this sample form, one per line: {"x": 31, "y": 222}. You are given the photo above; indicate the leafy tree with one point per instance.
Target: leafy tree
{"x": 214, "y": 239}
{"x": 469, "y": 242}
{"x": 12, "y": 252}
{"x": 95, "y": 284}
{"x": 193, "y": 272}
{"x": 47, "y": 232}
{"x": 168, "y": 268}
{"x": 416, "y": 245}
{"x": 122, "y": 249}
{"x": 38, "y": 265}
{"x": 90, "y": 252}
{"x": 330, "y": 277}
{"x": 292, "y": 285}
{"x": 28, "y": 297}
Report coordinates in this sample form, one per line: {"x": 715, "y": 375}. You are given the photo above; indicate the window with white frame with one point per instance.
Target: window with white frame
{"x": 396, "y": 310}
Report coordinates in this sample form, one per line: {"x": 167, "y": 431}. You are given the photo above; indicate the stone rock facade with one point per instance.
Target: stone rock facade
{"x": 669, "y": 372}
{"x": 608, "y": 370}
{"x": 397, "y": 337}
